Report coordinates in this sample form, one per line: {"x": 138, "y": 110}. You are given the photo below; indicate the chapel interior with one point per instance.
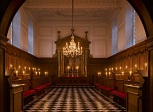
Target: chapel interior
{"x": 77, "y": 56}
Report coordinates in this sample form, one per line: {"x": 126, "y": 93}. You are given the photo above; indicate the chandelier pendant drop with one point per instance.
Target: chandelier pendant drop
{"x": 72, "y": 49}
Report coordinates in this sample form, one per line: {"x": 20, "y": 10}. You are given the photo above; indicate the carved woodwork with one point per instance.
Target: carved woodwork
{"x": 80, "y": 61}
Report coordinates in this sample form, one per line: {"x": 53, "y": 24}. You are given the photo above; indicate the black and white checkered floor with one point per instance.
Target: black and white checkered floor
{"x": 73, "y": 99}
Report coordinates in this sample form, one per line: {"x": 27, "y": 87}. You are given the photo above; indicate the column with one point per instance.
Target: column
{"x": 86, "y": 61}
{"x": 59, "y": 62}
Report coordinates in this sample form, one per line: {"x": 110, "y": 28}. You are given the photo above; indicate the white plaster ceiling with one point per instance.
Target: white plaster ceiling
{"x": 61, "y": 10}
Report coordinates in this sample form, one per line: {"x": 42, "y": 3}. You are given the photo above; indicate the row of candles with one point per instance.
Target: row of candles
{"x": 68, "y": 68}
{"x": 24, "y": 70}
{"x": 126, "y": 68}
{"x": 108, "y": 71}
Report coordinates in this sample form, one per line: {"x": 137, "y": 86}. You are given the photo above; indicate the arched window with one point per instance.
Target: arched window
{"x": 16, "y": 30}
{"x": 30, "y": 36}
{"x": 114, "y": 37}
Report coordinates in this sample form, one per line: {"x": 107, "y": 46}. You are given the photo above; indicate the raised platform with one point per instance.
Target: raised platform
{"x": 72, "y": 81}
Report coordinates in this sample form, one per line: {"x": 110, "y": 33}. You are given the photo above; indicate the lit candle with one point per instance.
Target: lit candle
{"x": 36, "y": 73}
{"x": 23, "y": 72}
{"x": 130, "y": 72}
{"x": 45, "y": 73}
{"x": 10, "y": 65}
{"x": 19, "y": 67}
{"x": 99, "y": 73}
{"x": 25, "y": 68}
{"x": 126, "y": 67}
{"x": 106, "y": 74}
{"x": 116, "y": 68}
{"x": 120, "y": 68}
{"x": 122, "y": 73}
{"x": 109, "y": 74}
{"x": 105, "y": 69}
{"x": 29, "y": 68}
{"x": 112, "y": 69}
{"x": 146, "y": 65}
{"x": 135, "y": 65}
{"x": 16, "y": 72}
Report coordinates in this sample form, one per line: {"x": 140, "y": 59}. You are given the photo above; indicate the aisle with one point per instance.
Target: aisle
{"x": 73, "y": 99}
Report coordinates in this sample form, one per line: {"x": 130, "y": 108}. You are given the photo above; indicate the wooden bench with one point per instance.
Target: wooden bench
{"x": 40, "y": 90}
{"x": 97, "y": 85}
{"x": 28, "y": 96}
{"x": 48, "y": 85}
{"x": 106, "y": 90}
{"x": 119, "y": 97}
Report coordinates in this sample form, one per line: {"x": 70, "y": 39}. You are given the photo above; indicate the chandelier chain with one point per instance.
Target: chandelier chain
{"x": 72, "y": 49}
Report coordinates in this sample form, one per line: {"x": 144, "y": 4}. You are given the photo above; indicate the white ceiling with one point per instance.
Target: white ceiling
{"x": 61, "y": 10}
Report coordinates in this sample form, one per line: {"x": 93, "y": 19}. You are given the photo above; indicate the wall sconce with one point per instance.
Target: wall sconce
{"x": 105, "y": 69}
{"x": 19, "y": 67}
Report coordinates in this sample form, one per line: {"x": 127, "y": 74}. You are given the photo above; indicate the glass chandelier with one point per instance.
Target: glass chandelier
{"x": 72, "y": 49}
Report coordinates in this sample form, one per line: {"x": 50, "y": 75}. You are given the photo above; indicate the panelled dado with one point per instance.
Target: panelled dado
{"x": 17, "y": 57}
{"x": 136, "y": 55}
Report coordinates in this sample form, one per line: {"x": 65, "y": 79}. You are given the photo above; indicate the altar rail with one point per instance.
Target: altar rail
{"x": 72, "y": 81}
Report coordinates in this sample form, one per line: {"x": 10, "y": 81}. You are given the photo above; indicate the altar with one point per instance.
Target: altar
{"x": 72, "y": 66}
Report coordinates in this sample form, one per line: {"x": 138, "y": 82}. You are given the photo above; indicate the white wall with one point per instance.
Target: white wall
{"x": 97, "y": 34}
{"x": 125, "y": 28}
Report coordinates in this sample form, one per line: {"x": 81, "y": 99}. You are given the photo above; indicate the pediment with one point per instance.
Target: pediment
{"x": 83, "y": 41}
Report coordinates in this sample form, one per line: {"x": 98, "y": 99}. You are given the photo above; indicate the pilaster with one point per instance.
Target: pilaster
{"x": 3, "y": 89}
